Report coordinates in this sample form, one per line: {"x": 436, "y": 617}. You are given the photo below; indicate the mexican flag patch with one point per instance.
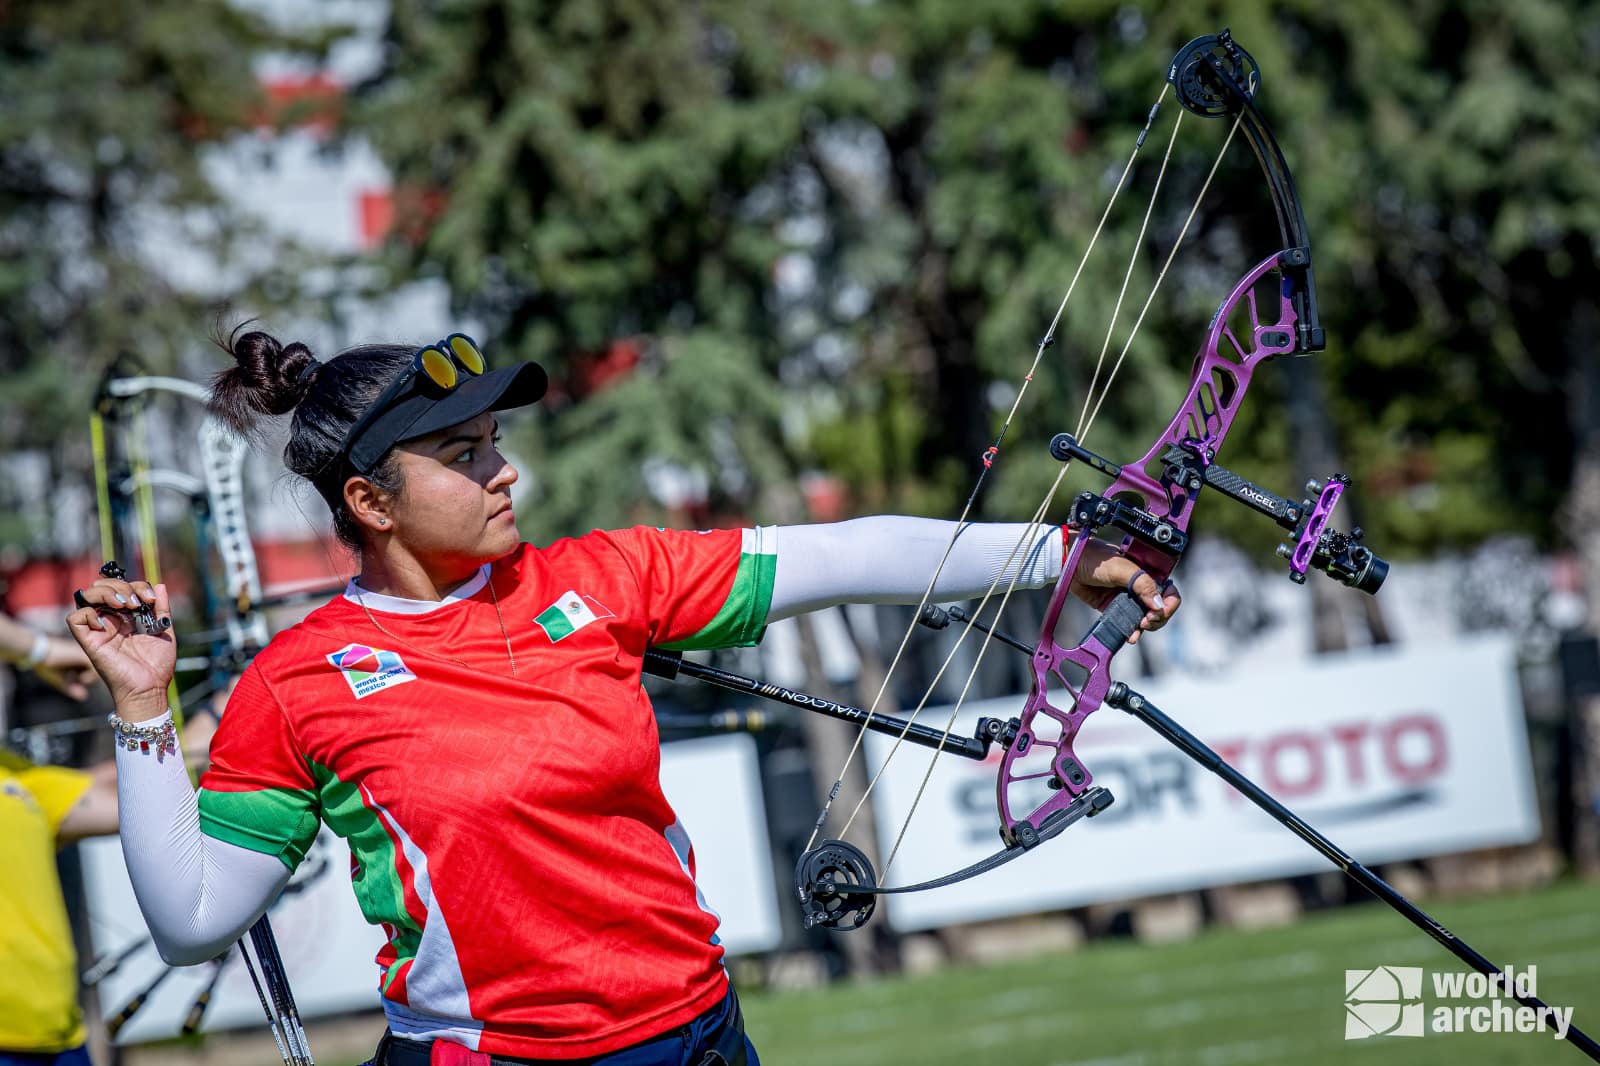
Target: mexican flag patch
{"x": 569, "y": 614}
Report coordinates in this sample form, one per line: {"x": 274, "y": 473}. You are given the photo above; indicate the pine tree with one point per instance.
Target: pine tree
{"x": 831, "y": 235}
{"x": 106, "y": 111}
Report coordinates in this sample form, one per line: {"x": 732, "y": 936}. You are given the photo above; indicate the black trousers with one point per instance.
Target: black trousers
{"x": 714, "y": 1038}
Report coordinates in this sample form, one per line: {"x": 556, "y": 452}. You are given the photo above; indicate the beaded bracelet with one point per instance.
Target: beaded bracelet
{"x": 139, "y": 736}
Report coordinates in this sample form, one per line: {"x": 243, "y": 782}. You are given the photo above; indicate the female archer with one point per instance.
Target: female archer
{"x": 468, "y": 715}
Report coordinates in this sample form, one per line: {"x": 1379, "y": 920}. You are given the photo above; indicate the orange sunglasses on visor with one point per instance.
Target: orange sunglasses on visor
{"x": 443, "y": 365}
{"x": 440, "y": 362}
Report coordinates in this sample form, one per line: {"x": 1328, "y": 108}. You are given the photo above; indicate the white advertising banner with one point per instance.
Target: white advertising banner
{"x": 328, "y": 948}
{"x": 1392, "y": 754}
{"x": 714, "y": 783}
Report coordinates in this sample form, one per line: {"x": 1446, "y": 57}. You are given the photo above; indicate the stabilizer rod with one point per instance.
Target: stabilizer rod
{"x": 669, "y": 664}
{"x": 1125, "y": 698}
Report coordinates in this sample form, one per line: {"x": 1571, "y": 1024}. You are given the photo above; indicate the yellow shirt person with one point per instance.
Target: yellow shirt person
{"x": 39, "y": 979}
{"x": 42, "y": 808}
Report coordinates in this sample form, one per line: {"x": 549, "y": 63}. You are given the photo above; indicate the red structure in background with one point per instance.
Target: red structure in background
{"x": 594, "y": 373}
{"x": 312, "y": 101}
{"x": 40, "y": 590}
{"x": 409, "y": 212}
{"x": 376, "y": 210}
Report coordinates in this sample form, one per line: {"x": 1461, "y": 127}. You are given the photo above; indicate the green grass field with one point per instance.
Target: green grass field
{"x": 1224, "y": 997}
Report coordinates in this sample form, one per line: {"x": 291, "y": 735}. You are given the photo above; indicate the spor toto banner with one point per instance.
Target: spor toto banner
{"x": 1391, "y": 754}
{"x": 713, "y": 783}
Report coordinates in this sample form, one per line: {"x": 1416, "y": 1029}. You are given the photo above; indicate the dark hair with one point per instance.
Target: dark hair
{"x": 326, "y": 398}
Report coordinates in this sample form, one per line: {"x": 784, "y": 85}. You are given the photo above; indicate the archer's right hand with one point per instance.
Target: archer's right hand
{"x": 136, "y": 666}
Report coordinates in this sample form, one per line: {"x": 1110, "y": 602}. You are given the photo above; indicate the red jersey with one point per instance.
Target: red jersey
{"x": 508, "y": 833}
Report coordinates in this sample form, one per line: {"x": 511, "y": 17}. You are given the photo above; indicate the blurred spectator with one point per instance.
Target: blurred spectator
{"x": 43, "y": 808}
{"x": 57, "y": 660}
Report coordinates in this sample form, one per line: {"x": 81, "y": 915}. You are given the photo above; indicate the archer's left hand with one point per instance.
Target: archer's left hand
{"x": 1102, "y": 568}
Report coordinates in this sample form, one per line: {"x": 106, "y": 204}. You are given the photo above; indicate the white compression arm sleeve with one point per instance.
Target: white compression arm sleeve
{"x": 890, "y": 559}
{"x": 198, "y": 894}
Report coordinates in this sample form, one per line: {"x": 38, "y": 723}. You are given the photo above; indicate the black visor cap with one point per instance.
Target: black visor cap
{"x": 421, "y": 413}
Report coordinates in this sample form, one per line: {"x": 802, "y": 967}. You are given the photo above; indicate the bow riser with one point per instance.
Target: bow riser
{"x": 1222, "y": 372}
{"x": 1221, "y": 376}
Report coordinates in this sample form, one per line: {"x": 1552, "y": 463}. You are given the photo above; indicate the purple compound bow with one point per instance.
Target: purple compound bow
{"x": 1150, "y": 503}
{"x": 1270, "y": 312}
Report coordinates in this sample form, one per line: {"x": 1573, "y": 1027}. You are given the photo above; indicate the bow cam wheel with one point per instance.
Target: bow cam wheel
{"x": 827, "y": 879}
{"x": 1198, "y": 70}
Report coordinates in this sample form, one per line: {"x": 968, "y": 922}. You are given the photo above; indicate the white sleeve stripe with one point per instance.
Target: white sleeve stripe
{"x": 759, "y": 540}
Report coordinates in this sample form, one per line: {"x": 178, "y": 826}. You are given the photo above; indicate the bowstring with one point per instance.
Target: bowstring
{"x": 962, "y": 521}
{"x": 1034, "y": 524}
{"x": 1215, "y": 163}
{"x": 1032, "y": 530}
{"x": 1127, "y": 275}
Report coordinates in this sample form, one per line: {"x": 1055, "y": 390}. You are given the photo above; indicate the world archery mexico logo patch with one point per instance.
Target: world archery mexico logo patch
{"x": 569, "y": 614}
{"x": 370, "y": 670}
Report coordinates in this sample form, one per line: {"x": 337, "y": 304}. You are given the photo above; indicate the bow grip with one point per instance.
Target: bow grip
{"x": 1119, "y": 621}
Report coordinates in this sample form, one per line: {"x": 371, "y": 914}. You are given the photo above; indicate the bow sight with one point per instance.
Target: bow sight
{"x": 1188, "y": 465}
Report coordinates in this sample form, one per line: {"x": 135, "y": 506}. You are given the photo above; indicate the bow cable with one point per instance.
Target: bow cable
{"x": 988, "y": 462}
{"x": 1035, "y": 523}
{"x": 1127, "y": 275}
{"x": 1081, "y": 433}
{"x": 1084, "y": 427}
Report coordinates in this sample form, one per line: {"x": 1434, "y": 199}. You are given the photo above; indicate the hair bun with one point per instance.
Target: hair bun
{"x": 303, "y": 378}
{"x": 270, "y": 379}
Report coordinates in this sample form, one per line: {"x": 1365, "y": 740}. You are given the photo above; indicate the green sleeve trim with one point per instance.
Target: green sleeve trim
{"x": 280, "y": 822}
{"x": 741, "y": 621}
